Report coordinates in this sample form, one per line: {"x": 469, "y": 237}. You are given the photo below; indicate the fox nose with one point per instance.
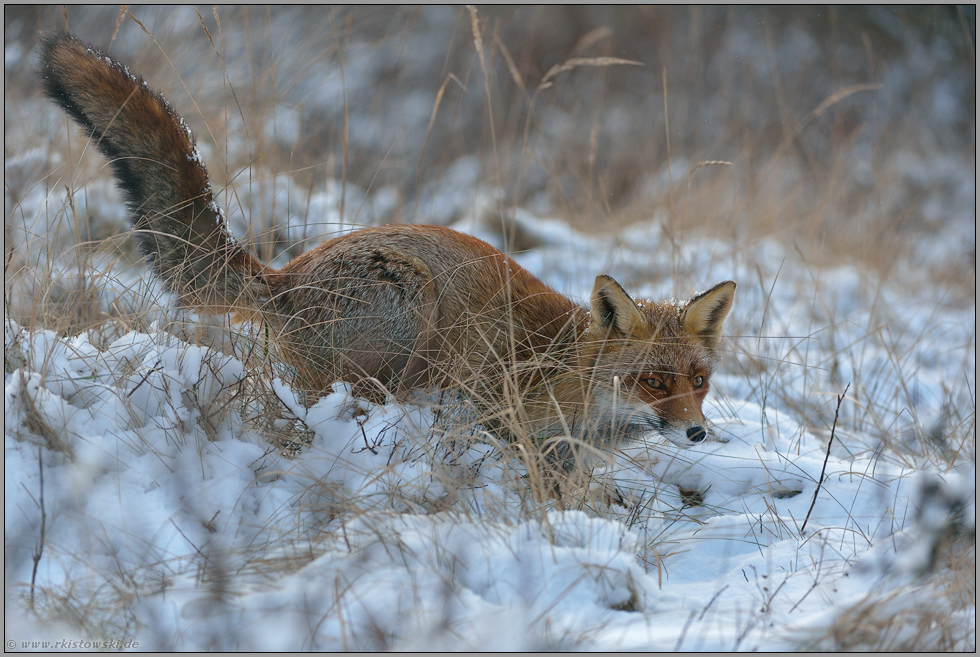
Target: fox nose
{"x": 696, "y": 434}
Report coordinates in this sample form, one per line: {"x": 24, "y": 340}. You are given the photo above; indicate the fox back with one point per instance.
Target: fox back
{"x": 398, "y": 307}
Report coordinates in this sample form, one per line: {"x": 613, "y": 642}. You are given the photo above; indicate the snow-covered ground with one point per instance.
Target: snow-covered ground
{"x": 167, "y": 511}
{"x": 151, "y": 496}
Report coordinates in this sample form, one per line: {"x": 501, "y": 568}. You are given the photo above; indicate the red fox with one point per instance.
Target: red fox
{"x": 399, "y": 307}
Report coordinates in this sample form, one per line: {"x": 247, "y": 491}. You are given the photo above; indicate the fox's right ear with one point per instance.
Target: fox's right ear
{"x": 704, "y": 315}
{"x": 612, "y": 308}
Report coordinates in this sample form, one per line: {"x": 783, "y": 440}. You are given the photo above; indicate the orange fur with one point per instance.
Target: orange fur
{"x": 399, "y": 307}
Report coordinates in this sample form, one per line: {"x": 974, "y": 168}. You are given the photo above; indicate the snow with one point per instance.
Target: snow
{"x": 379, "y": 533}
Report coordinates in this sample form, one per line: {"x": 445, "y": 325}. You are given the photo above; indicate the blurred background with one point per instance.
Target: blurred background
{"x": 848, "y": 133}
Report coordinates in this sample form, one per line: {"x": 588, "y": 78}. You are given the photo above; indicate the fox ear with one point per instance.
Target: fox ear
{"x": 704, "y": 315}
{"x": 612, "y": 308}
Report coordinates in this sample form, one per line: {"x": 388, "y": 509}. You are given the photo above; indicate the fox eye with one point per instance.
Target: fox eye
{"x": 698, "y": 382}
{"x": 654, "y": 383}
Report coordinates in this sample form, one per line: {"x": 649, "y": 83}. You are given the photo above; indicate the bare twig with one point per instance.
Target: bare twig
{"x": 156, "y": 368}
{"x": 40, "y": 547}
{"x": 840, "y": 399}
{"x": 367, "y": 443}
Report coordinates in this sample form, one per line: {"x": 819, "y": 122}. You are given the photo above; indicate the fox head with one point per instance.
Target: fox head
{"x": 654, "y": 361}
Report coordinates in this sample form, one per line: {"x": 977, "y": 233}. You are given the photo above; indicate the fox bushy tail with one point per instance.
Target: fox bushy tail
{"x": 179, "y": 225}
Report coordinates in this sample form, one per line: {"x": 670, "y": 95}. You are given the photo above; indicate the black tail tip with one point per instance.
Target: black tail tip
{"x": 50, "y": 42}
{"x": 50, "y": 50}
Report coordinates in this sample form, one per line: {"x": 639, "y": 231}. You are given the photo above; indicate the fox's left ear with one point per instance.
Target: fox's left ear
{"x": 705, "y": 314}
